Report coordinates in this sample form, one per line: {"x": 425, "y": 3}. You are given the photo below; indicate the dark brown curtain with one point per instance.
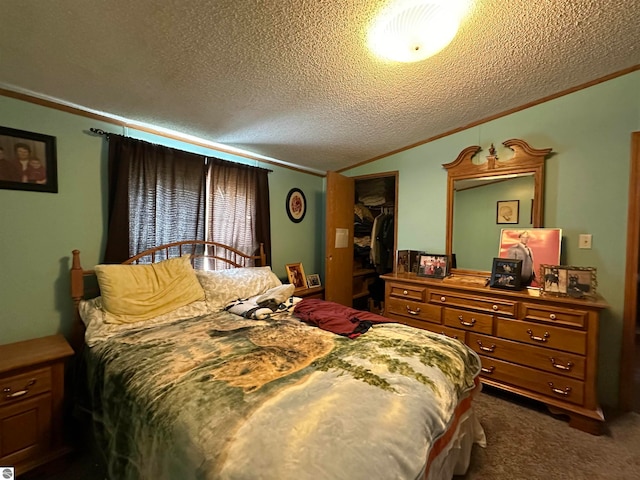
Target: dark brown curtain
{"x": 159, "y": 195}
{"x": 156, "y": 197}
{"x": 238, "y": 206}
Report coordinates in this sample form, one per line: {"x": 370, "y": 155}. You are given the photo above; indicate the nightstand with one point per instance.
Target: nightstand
{"x": 31, "y": 402}
{"x": 313, "y": 292}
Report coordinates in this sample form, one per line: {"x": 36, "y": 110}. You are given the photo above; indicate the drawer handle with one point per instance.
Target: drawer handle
{"x": 405, "y": 292}
{"x": 443, "y": 299}
{"x": 559, "y": 391}
{"x": 486, "y": 349}
{"x": 495, "y": 308}
{"x": 413, "y": 312}
{"x": 455, "y": 337}
{"x": 538, "y": 339}
{"x": 488, "y": 369}
{"x": 552, "y": 316}
{"x": 19, "y": 393}
{"x": 559, "y": 366}
{"x": 466, "y": 324}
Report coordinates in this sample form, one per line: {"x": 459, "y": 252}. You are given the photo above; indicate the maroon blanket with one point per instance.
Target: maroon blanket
{"x": 335, "y": 317}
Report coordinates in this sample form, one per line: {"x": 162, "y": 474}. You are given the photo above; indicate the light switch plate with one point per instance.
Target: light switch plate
{"x": 584, "y": 241}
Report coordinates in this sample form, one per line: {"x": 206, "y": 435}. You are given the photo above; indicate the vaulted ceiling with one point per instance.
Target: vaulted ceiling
{"x": 293, "y": 80}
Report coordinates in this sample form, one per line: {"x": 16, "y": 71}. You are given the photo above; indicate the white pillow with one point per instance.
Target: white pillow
{"x": 223, "y": 286}
{"x": 99, "y": 325}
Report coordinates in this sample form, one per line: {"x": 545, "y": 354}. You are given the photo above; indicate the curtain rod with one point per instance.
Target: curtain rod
{"x": 99, "y": 131}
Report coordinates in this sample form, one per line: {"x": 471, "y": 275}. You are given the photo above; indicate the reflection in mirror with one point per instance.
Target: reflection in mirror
{"x": 475, "y": 186}
{"x": 476, "y": 233}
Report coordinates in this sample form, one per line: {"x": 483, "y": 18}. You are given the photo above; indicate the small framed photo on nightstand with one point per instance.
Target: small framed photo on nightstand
{"x": 313, "y": 280}
{"x": 296, "y": 275}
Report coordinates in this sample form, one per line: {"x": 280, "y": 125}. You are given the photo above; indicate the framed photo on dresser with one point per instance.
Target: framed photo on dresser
{"x": 534, "y": 246}
{"x": 432, "y": 265}
{"x": 506, "y": 273}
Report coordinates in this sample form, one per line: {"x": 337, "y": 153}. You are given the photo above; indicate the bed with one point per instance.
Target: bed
{"x": 229, "y": 383}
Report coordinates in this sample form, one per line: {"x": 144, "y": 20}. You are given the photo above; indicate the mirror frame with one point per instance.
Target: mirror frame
{"x": 525, "y": 160}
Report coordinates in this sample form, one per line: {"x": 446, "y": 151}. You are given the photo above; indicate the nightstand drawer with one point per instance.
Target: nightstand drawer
{"x": 490, "y": 305}
{"x": 25, "y": 385}
{"x": 25, "y": 429}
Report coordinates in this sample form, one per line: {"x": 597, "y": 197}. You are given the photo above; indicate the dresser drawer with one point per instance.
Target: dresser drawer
{"x": 555, "y": 316}
{"x": 547, "y": 336}
{"x": 549, "y": 384}
{"x": 553, "y": 361}
{"x": 498, "y": 306}
{"x": 472, "y": 321}
{"x": 416, "y": 293}
{"x": 25, "y": 385}
{"x": 447, "y": 331}
{"x": 418, "y": 310}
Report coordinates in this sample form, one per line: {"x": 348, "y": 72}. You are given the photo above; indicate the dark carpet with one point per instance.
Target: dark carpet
{"x": 525, "y": 441}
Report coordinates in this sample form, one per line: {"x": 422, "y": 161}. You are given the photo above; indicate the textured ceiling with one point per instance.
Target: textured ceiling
{"x": 293, "y": 80}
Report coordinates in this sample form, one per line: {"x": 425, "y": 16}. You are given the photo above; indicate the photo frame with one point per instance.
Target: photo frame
{"x": 296, "y": 205}
{"x": 295, "y": 273}
{"x": 507, "y": 211}
{"x": 313, "y": 280}
{"x": 534, "y": 246}
{"x": 568, "y": 281}
{"x": 433, "y": 265}
{"x": 506, "y": 273}
{"x": 28, "y": 161}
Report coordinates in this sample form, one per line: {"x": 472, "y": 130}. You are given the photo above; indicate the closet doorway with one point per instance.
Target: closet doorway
{"x": 361, "y": 237}
{"x": 629, "y": 392}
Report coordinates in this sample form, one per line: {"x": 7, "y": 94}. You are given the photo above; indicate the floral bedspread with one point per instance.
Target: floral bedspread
{"x": 220, "y": 396}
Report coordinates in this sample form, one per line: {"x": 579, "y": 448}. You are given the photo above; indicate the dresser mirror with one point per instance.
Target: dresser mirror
{"x": 478, "y": 188}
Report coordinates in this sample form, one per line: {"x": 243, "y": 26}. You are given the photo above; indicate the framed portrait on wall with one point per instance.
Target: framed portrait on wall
{"x": 296, "y": 205}
{"x": 28, "y": 161}
{"x": 508, "y": 211}
{"x": 534, "y": 246}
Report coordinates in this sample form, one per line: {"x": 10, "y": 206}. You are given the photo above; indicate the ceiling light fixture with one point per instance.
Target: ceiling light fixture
{"x": 412, "y": 30}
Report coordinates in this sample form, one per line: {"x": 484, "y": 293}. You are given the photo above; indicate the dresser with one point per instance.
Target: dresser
{"x": 31, "y": 405}
{"x": 539, "y": 346}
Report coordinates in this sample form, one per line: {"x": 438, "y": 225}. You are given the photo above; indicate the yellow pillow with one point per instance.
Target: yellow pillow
{"x": 133, "y": 293}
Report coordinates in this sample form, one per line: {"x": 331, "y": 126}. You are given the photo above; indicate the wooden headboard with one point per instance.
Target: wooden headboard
{"x": 204, "y": 256}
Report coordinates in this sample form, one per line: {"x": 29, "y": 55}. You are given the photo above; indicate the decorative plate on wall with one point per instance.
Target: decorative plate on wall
{"x": 296, "y": 205}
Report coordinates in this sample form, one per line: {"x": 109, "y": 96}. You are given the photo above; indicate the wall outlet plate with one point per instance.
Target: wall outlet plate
{"x": 584, "y": 240}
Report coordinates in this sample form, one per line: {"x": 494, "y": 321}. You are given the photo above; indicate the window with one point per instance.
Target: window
{"x": 159, "y": 195}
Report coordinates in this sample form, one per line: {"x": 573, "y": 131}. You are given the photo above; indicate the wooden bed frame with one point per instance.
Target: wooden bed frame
{"x": 213, "y": 255}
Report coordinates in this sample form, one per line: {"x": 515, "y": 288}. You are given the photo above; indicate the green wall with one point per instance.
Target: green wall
{"x": 39, "y": 230}
{"x": 586, "y": 188}
{"x": 475, "y": 212}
